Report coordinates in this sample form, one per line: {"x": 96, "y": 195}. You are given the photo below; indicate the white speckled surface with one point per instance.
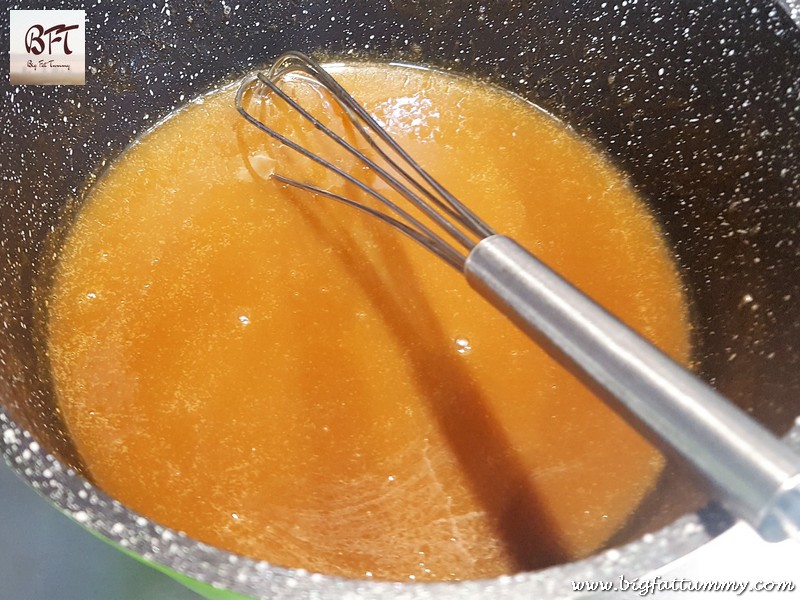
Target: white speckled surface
{"x": 697, "y": 101}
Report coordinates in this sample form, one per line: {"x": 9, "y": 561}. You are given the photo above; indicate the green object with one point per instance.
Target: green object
{"x": 204, "y": 589}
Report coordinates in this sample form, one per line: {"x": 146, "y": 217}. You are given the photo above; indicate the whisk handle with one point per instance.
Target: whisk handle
{"x": 751, "y": 472}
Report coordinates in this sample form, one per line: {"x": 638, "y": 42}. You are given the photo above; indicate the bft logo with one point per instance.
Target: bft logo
{"x": 34, "y": 38}
{"x": 48, "y": 47}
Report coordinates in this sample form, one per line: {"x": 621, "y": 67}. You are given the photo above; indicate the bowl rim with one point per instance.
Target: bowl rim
{"x": 178, "y": 553}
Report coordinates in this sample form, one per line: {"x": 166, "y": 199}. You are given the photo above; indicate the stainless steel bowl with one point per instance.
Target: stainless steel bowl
{"x": 699, "y": 104}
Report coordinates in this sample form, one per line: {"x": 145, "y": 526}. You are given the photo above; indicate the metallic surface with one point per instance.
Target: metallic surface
{"x": 697, "y": 102}
{"x": 752, "y": 473}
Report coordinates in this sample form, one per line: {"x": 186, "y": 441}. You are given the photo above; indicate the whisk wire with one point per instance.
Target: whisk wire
{"x": 456, "y": 215}
{"x": 422, "y": 234}
{"x": 452, "y": 258}
{"x": 376, "y": 167}
{"x": 357, "y": 113}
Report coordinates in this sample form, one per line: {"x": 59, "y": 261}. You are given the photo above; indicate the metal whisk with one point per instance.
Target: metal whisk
{"x": 751, "y": 472}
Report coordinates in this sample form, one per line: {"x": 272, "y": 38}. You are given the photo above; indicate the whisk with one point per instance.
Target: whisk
{"x": 750, "y": 472}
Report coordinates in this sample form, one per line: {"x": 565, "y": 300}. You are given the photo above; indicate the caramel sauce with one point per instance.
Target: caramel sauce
{"x": 289, "y": 379}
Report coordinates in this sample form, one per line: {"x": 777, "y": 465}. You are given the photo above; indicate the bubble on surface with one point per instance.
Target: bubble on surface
{"x": 462, "y": 345}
